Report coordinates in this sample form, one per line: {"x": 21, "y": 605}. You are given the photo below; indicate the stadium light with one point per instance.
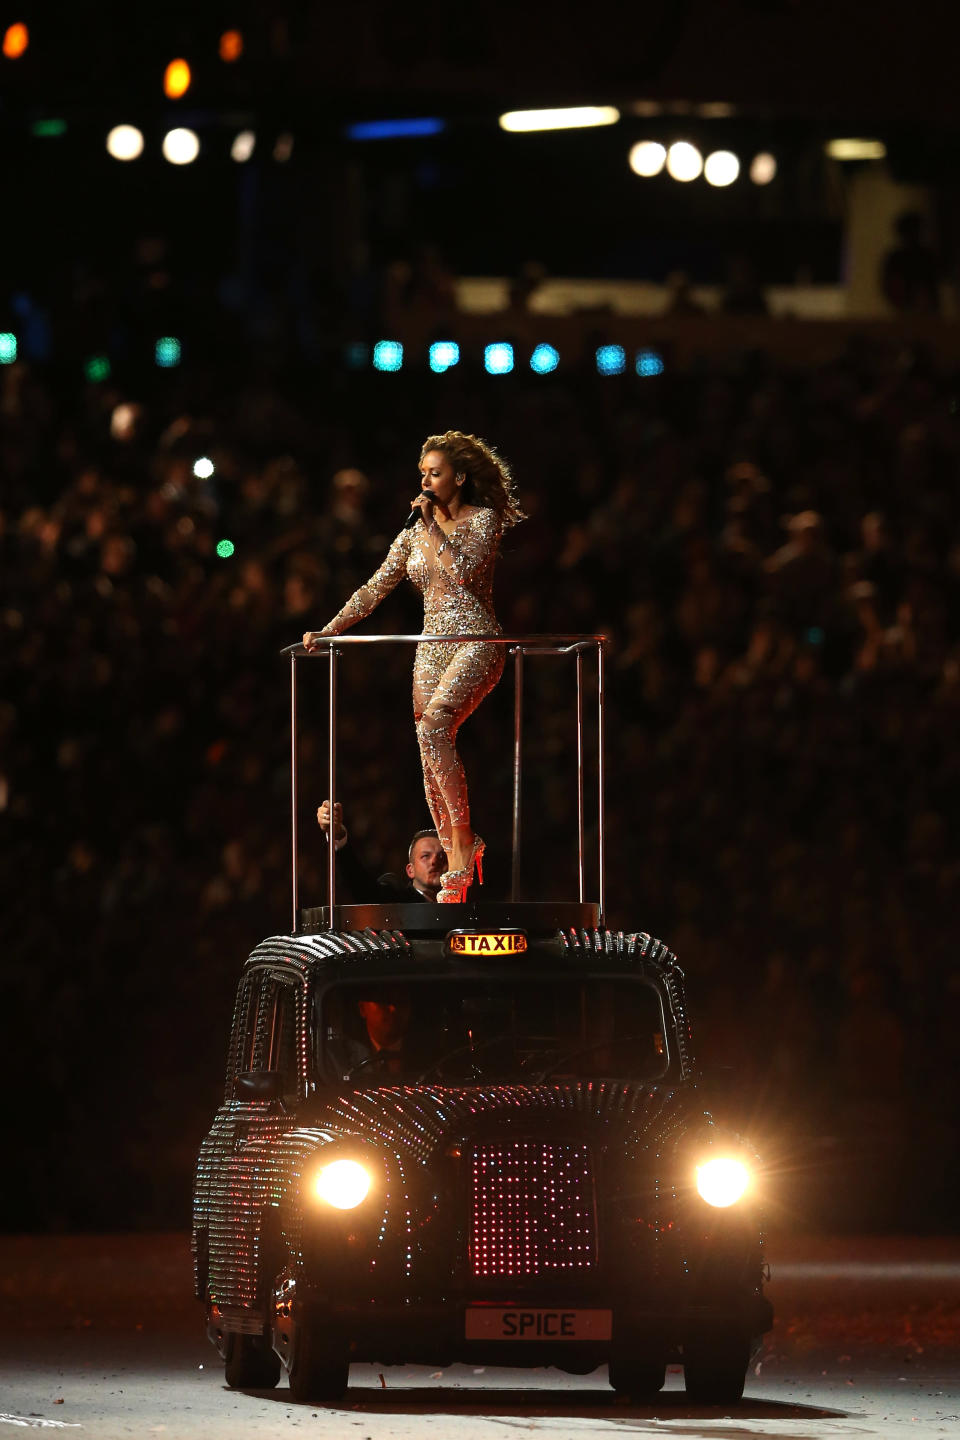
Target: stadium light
{"x": 166, "y": 352}
{"x": 8, "y": 347}
{"x": 684, "y": 161}
{"x": 180, "y": 146}
{"x": 649, "y": 362}
{"x": 16, "y": 38}
{"x": 763, "y": 168}
{"x": 176, "y": 79}
{"x": 498, "y": 358}
{"x": 203, "y": 468}
{"x": 388, "y": 355}
{"x": 96, "y": 369}
{"x": 225, "y": 548}
{"x": 48, "y": 128}
{"x": 721, "y": 168}
{"x": 544, "y": 359}
{"x": 611, "y": 360}
{"x": 443, "y": 355}
{"x": 125, "y": 142}
{"x": 231, "y": 46}
{"x": 244, "y": 144}
{"x": 574, "y": 117}
{"x": 856, "y": 149}
{"x": 647, "y": 158}
{"x": 394, "y": 129}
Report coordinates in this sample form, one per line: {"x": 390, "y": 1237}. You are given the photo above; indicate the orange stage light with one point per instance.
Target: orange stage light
{"x": 176, "y": 79}
{"x": 15, "y": 41}
{"x": 231, "y": 45}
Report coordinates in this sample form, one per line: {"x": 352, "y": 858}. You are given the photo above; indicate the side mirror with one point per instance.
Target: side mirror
{"x": 260, "y": 1085}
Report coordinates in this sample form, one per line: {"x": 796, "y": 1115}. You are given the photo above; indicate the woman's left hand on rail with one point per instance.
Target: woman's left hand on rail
{"x": 311, "y": 637}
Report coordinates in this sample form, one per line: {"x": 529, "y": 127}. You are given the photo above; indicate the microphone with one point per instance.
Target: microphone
{"x": 416, "y": 513}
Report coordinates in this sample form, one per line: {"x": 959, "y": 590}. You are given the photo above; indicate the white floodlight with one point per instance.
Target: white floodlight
{"x": 647, "y": 158}
{"x": 575, "y": 117}
{"x": 684, "y": 161}
{"x": 181, "y": 146}
{"x": 244, "y": 144}
{"x": 856, "y": 149}
{"x": 721, "y": 168}
{"x": 763, "y": 168}
{"x": 125, "y": 142}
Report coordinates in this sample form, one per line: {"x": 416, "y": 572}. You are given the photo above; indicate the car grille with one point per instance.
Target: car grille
{"x": 533, "y": 1208}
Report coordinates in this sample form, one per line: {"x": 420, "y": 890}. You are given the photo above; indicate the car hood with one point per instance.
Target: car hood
{"x": 418, "y": 1122}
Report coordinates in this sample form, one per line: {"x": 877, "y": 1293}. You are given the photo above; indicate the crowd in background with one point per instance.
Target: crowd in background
{"x": 775, "y": 557}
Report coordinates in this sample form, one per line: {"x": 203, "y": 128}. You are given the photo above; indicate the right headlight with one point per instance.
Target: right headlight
{"x": 722, "y": 1181}
{"x": 344, "y": 1184}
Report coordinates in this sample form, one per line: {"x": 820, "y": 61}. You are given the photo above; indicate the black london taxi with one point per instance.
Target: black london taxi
{"x": 482, "y": 1144}
{"x": 473, "y": 1133}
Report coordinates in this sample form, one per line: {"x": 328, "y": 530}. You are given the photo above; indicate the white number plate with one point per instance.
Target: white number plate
{"x": 498, "y": 1322}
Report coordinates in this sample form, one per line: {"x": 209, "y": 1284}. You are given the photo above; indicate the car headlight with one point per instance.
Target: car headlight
{"x": 344, "y": 1184}
{"x": 722, "y": 1181}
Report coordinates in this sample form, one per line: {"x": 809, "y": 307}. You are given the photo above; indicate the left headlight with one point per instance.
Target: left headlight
{"x": 344, "y": 1184}
{"x": 723, "y": 1181}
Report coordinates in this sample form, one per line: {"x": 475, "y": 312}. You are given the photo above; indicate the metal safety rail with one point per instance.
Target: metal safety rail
{"x": 519, "y": 646}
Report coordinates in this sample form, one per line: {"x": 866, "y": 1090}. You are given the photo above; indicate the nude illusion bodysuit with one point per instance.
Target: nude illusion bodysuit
{"x": 455, "y": 577}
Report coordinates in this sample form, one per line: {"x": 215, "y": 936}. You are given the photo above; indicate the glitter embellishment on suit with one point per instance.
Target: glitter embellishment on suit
{"x": 455, "y": 578}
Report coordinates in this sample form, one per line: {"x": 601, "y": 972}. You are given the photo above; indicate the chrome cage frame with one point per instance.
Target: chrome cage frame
{"x": 519, "y": 646}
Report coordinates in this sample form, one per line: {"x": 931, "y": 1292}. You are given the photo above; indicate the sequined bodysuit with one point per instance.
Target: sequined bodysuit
{"x": 454, "y": 573}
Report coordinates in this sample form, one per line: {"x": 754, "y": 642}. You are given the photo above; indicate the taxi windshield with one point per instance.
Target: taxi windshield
{"x": 451, "y": 1031}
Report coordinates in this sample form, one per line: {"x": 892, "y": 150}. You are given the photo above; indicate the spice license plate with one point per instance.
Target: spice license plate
{"x": 502, "y": 1322}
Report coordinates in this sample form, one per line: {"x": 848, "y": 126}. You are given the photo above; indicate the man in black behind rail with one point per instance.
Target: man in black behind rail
{"x": 425, "y": 869}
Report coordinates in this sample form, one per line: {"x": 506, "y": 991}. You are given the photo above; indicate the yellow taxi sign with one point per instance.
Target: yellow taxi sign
{"x": 486, "y": 942}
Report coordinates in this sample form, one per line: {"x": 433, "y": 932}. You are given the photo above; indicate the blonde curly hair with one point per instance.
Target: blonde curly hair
{"x": 489, "y": 482}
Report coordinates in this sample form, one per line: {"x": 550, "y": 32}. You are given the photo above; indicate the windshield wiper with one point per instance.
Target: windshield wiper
{"x": 538, "y": 1077}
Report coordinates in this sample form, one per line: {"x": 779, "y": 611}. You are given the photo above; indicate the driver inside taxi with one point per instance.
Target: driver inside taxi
{"x": 380, "y": 1038}
{"x": 385, "y": 1012}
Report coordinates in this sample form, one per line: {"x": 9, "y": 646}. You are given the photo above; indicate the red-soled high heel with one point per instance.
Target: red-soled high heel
{"x": 456, "y": 883}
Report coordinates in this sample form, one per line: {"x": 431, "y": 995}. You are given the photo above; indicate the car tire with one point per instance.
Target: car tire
{"x": 319, "y": 1368}
{"x": 250, "y": 1364}
{"x": 715, "y": 1369}
{"x": 636, "y": 1381}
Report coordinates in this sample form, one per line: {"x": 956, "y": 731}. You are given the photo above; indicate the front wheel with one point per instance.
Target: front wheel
{"x": 319, "y": 1367}
{"x": 250, "y": 1364}
{"x": 715, "y": 1369}
{"x": 636, "y": 1381}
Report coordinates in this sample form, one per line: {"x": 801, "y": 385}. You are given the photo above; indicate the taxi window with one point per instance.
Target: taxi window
{"x": 531, "y": 1030}
{"x": 266, "y": 1029}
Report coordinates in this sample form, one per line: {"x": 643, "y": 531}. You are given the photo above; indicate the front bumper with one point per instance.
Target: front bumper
{"x": 434, "y": 1331}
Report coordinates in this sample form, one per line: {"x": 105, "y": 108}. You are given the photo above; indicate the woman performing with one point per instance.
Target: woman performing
{"x": 466, "y": 501}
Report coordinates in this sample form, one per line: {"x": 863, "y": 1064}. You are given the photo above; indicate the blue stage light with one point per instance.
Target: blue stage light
{"x": 544, "y": 359}
{"x": 387, "y": 355}
{"x": 611, "y": 360}
{"x": 649, "y": 362}
{"x": 443, "y": 354}
{"x": 8, "y": 348}
{"x": 394, "y": 129}
{"x": 498, "y": 359}
{"x": 166, "y": 352}
{"x": 356, "y": 355}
